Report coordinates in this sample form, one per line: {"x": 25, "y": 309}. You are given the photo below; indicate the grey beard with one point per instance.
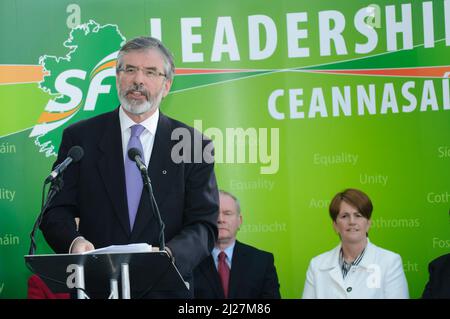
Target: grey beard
{"x": 141, "y": 108}
{"x": 134, "y": 108}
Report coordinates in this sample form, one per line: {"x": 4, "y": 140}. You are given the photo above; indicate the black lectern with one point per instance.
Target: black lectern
{"x": 99, "y": 274}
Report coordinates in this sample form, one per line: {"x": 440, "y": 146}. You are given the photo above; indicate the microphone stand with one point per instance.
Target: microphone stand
{"x": 56, "y": 186}
{"x": 148, "y": 186}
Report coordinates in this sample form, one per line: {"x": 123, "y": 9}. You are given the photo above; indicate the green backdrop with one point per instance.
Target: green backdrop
{"x": 324, "y": 95}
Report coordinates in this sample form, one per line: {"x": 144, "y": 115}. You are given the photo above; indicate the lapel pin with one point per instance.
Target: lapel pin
{"x": 164, "y": 172}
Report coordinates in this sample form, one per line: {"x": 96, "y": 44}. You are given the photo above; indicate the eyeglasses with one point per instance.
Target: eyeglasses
{"x": 151, "y": 74}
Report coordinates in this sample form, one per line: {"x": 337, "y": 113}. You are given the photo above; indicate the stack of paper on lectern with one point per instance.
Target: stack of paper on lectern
{"x": 122, "y": 249}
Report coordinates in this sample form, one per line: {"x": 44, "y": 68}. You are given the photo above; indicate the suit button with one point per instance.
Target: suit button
{"x": 349, "y": 289}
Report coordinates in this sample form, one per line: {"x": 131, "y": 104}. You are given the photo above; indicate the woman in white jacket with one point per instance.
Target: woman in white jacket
{"x": 356, "y": 268}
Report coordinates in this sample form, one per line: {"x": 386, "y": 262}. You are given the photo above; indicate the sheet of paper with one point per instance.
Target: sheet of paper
{"x": 116, "y": 249}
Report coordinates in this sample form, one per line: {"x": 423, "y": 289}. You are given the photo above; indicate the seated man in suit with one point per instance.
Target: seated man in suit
{"x": 438, "y": 285}
{"x": 235, "y": 270}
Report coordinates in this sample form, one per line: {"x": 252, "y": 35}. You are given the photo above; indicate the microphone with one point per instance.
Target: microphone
{"x": 135, "y": 155}
{"x": 74, "y": 155}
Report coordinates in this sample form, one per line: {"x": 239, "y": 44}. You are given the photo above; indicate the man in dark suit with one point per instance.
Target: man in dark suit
{"x": 105, "y": 189}
{"x": 235, "y": 270}
{"x": 438, "y": 285}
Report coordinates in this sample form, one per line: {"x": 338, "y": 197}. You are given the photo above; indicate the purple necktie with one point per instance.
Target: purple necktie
{"x": 133, "y": 176}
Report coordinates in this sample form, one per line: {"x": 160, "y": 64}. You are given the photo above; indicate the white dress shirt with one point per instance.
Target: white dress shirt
{"x": 228, "y": 252}
{"x": 147, "y": 137}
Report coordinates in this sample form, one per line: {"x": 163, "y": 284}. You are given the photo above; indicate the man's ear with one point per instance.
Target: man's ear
{"x": 240, "y": 222}
{"x": 167, "y": 86}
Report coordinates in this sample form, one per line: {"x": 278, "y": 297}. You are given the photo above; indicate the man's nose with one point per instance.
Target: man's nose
{"x": 139, "y": 77}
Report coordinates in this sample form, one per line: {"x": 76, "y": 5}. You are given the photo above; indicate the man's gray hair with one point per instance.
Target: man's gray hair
{"x": 147, "y": 43}
{"x": 236, "y": 201}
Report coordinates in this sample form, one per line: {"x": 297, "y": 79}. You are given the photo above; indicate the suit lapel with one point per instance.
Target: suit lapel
{"x": 331, "y": 265}
{"x": 336, "y": 276}
{"x": 238, "y": 269}
{"x": 212, "y": 277}
{"x": 112, "y": 169}
{"x": 144, "y": 215}
{"x": 161, "y": 167}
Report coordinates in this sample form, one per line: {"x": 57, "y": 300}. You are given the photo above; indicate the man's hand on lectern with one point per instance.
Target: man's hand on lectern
{"x": 81, "y": 245}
